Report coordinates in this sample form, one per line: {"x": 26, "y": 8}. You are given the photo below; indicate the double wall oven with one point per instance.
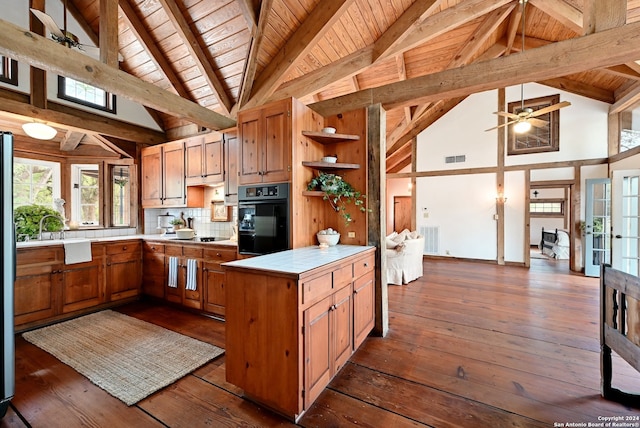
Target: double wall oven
{"x": 263, "y": 218}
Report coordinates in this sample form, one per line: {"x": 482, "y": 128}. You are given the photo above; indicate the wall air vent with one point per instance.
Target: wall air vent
{"x": 455, "y": 159}
{"x": 431, "y": 239}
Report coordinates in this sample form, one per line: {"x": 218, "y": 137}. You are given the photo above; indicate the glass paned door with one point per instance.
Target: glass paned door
{"x": 626, "y": 230}
{"x": 597, "y": 227}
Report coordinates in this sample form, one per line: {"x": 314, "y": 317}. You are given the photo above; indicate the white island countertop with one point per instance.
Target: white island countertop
{"x": 299, "y": 260}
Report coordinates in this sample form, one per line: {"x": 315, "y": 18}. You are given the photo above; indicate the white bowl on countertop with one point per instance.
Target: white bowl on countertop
{"x": 329, "y": 130}
{"x": 329, "y": 240}
{"x": 185, "y": 233}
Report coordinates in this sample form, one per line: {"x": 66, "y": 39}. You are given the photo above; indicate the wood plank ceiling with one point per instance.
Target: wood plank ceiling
{"x": 228, "y": 55}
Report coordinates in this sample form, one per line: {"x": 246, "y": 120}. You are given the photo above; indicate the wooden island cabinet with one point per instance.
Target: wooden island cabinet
{"x": 293, "y": 319}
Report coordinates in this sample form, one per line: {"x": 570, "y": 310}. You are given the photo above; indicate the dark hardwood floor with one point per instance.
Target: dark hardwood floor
{"x": 469, "y": 345}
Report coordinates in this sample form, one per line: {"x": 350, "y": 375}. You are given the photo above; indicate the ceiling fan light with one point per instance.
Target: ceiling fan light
{"x": 522, "y": 127}
{"x": 40, "y": 131}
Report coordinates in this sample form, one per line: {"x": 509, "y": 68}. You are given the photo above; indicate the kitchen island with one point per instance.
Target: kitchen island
{"x": 293, "y": 320}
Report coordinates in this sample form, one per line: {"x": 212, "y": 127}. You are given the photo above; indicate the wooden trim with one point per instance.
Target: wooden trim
{"x": 626, "y": 154}
{"x": 527, "y": 220}
{"x": 575, "y": 205}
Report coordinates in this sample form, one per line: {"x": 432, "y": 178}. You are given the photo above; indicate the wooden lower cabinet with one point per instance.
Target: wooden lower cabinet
{"x": 153, "y": 269}
{"x": 287, "y": 335}
{"x": 123, "y": 270}
{"x": 327, "y": 341}
{"x": 46, "y": 289}
{"x": 38, "y": 284}
{"x": 214, "y": 278}
{"x": 210, "y": 277}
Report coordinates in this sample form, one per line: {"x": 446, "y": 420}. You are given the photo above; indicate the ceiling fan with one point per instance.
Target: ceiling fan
{"x": 524, "y": 117}
{"x": 61, "y": 35}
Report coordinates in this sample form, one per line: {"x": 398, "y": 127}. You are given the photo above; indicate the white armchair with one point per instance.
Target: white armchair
{"x": 404, "y": 257}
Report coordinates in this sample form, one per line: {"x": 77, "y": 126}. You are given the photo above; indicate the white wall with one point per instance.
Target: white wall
{"x": 463, "y": 206}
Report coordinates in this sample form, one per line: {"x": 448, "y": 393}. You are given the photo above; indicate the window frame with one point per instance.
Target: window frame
{"x": 56, "y": 192}
{"x": 8, "y": 66}
{"x": 560, "y": 214}
{"x": 552, "y": 129}
{"x": 75, "y": 170}
{"x": 109, "y": 98}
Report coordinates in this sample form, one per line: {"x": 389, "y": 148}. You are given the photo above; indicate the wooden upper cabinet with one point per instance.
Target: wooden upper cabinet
{"x": 173, "y": 163}
{"x": 231, "y": 166}
{"x": 151, "y": 176}
{"x": 204, "y": 159}
{"x": 163, "y": 175}
{"x": 266, "y": 144}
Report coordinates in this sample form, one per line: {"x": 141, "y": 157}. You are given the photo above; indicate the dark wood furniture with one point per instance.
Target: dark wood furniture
{"x": 619, "y": 329}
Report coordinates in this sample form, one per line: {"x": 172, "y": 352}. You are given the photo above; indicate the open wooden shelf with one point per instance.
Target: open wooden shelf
{"x": 315, "y": 193}
{"x": 324, "y": 138}
{"x": 326, "y": 166}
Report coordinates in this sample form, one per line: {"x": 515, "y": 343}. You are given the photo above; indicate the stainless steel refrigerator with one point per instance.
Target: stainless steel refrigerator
{"x": 7, "y": 230}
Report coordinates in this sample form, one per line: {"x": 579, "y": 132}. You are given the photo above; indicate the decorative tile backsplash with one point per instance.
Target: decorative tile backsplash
{"x": 202, "y": 223}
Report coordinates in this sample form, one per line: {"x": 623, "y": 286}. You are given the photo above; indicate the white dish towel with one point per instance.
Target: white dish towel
{"x": 77, "y": 251}
{"x": 172, "y": 278}
{"x": 192, "y": 268}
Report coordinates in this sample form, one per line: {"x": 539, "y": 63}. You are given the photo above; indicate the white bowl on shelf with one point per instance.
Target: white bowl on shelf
{"x": 330, "y": 159}
{"x": 329, "y": 240}
{"x": 329, "y": 130}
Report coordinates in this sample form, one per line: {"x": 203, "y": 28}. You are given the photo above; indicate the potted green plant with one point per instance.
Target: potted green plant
{"x": 176, "y": 223}
{"x": 27, "y": 219}
{"x": 339, "y": 193}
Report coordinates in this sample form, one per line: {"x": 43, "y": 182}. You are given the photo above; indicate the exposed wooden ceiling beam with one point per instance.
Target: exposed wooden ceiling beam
{"x": 402, "y": 75}
{"x": 51, "y": 148}
{"x": 150, "y": 46}
{"x": 63, "y": 116}
{"x": 70, "y": 141}
{"x": 314, "y": 27}
{"x": 515, "y": 22}
{"x": 82, "y": 22}
{"x": 561, "y": 11}
{"x": 603, "y": 15}
{"x": 32, "y": 49}
{"x": 579, "y": 88}
{"x": 251, "y": 64}
{"x": 481, "y": 34}
{"x": 432, "y": 27}
{"x": 602, "y": 49}
{"x": 629, "y": 100}
{"x": 109, "y": 32}
{"x": 198, "y": 55}
{"x": 249, "y": 14}
{"x": 403, "y": 26}
{"x": 102, "y": 141}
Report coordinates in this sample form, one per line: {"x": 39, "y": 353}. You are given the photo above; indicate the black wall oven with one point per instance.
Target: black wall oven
{"x": 263, "y": 218}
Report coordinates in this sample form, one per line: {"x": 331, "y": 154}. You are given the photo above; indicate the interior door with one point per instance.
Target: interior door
{"x": 597, "y": 230}
{"x": 626, "y": 242}
{"x": 401, "y": 213}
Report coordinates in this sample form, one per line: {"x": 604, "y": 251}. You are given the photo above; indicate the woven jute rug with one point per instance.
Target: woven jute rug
{"x": 127, "y": 357}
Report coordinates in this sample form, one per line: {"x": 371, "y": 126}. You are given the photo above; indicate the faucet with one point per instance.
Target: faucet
{"x": 42, "y": 224}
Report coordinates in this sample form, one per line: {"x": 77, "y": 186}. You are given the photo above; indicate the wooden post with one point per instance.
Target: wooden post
{"x": 38, "y": 77}
{"x": 500, "y": 178}
{"x": 377, "y": 218}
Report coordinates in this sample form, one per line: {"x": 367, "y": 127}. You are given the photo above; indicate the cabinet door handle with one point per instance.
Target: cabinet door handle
{"x": 218, "y": 255}
{"x": 204, "y": 269}
{"x": 124, "y": 248}
{"x": 356, "y": 291}
{"x": 366, "y": 264}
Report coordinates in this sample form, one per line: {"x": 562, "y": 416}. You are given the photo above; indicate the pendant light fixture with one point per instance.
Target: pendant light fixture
{"x": 39, "y": 130}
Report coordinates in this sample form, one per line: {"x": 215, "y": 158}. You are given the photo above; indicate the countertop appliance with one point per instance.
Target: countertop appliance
{"x": 164, "y": 223}
{"x": 263, "y": 218}
{"x": 7, "y": 230}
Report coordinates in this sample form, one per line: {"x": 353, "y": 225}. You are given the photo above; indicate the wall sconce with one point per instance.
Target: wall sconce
{"x": 500, "y": 199}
